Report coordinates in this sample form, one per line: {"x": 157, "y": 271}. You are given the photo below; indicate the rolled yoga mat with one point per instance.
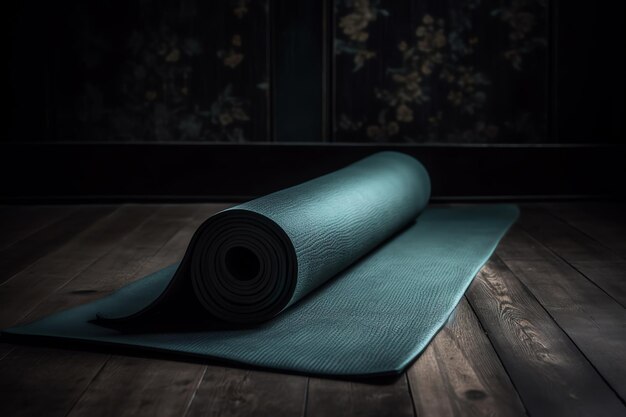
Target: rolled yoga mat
{"x": 346, "y": 274}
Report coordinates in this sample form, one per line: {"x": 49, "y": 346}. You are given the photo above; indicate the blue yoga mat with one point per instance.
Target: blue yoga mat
{"x": 346, "y": 274}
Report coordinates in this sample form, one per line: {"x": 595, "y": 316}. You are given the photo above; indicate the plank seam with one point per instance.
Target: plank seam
{"x": 581, "y": 231}
{"x": 564, "y": 260}
{"x": 7, "y": 352}
{"x": 54, "y": 220}
{"x": 408, "y": 386}
{"x": 495, "y": 350}
{"x": 305, "y": 404}
{"x": 195, "y": 391}
{"x": 78, "y": 397}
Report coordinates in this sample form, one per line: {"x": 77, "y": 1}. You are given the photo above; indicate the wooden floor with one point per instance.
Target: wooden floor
{"x": 540, "y": 332}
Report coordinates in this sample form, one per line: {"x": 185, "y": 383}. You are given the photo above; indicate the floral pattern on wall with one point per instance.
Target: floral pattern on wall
{"x": 354, "y": 27}
{"x": 467, "y": 71}
{"x": 178, "y": 70}
{"x": 187, "y": 70}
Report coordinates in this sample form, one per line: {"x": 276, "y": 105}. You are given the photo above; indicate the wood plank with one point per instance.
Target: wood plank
{"x": 149, "y": 388}
{"x": 551, "y": 375}
{"x": 82, "y": 366}
{"x": 459, "y": 373}
{"x": 137, "y": 222}
{"x": 612, "y": 210}
{"x": 231, "y": 392}
{"x": 32, "y": 285}
{"x": 22, "y": 253}
{"x": 18, "y": 222}
{"x": 591, "y": 258}
{"x": 604, "y": 222}
{"x": 41, "y": 381}
{"x": 5, "y": 348}
{"x": 563, "y": 239}
{"x": 132, "y": 258}
{"x": 611, "y": 275}
{"x": 330, "y": 398}
{"x": 592, "y": 319}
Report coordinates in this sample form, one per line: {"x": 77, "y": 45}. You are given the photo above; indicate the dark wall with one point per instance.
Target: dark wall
{"x": 588, "y": 59}
{"x": 139, "y": 70}
{"x": 427, "y": 71}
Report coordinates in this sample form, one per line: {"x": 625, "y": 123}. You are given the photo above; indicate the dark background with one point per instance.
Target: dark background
{"x": 184, "y": 99}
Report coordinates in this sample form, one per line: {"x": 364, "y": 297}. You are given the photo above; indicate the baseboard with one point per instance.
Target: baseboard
{"x": 39, "y": 172}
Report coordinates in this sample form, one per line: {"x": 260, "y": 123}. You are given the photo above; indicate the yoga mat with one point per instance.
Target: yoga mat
{"x": 346, "y": 274}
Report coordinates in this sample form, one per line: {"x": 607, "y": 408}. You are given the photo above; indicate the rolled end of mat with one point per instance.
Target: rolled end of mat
{"x": 247, "y": 264}
{"x": 243, "y": 267}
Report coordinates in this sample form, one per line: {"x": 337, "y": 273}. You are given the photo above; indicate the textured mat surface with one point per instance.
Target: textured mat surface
{"x": 347, "y": 274}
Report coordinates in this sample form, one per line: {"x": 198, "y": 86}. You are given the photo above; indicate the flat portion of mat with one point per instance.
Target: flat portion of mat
{"x": 373, "y": 318}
